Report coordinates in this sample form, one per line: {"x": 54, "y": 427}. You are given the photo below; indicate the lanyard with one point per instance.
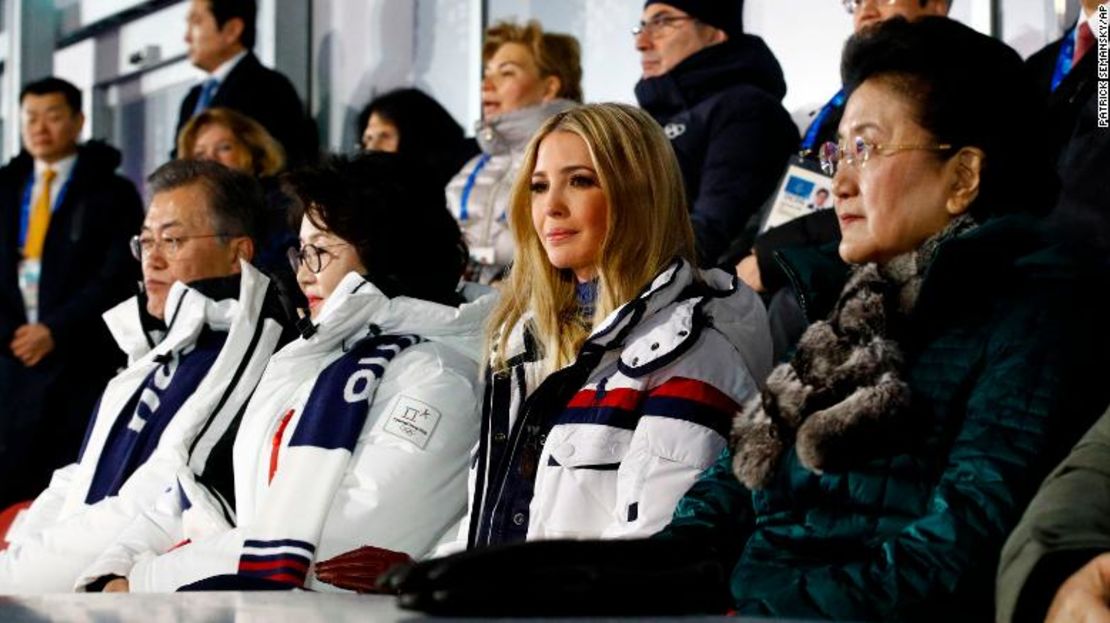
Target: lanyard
{"x": 464, "y": 213}
{"x": 815, "y": 127}
{"x": 25, "y": 206}
{"x": 1063, "y": 60}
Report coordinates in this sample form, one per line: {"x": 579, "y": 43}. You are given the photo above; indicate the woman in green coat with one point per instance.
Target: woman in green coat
{"x": 879, "y": 473}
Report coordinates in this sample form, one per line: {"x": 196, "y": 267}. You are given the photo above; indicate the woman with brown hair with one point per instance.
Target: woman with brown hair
{"x": 232, "y": 139}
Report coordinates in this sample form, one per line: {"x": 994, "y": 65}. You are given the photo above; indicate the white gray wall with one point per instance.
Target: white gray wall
{"x": 359, "y": 48}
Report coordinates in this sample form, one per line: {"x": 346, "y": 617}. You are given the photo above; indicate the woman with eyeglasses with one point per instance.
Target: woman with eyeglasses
{"x": 358, "y": 433}
{"x": 529, "y": 75}
{"x": 944, "y": 371}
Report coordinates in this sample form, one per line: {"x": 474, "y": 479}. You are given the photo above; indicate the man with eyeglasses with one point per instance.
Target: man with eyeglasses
{"x": 759, "y": 269}
{"x": 717, "y": 93}
{"x": 65, "y": 216}
{"x": 197, "y": 341}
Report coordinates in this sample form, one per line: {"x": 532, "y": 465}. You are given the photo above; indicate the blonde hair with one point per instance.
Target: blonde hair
{"x": 555, "y": 54}
{"x": 648, "y": 226}
{"x": 267, "y": 155}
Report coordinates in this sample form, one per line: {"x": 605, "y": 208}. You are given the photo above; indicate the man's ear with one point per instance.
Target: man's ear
{"x": 233, "y": 30}
{"x": 551, "y": 87}
{"x": 243, "y": 248}
{"x": 966, "y": 171}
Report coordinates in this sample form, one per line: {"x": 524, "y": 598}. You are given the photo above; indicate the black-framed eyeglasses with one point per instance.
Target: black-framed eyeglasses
{"x": 655, "y": 26}
{"x": 853, "y": 5}
{"x": 312, "y": 256}
{"x": 858, "y": 151}
{"x": 143, "y": 244}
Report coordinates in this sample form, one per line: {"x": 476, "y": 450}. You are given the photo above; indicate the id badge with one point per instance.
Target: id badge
{"x": 803, "y": 189}
{"x": 29, "y": 273}
{"x": 483, "y": 255}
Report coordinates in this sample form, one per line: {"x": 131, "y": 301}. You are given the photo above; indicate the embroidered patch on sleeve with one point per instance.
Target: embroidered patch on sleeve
{"x": 412, "y": 420}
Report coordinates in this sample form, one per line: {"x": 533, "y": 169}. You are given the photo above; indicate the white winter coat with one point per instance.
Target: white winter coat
{"x": 637, "y": 422}
{"x": 60, "y": 534}
{"x": 399, "y": 493}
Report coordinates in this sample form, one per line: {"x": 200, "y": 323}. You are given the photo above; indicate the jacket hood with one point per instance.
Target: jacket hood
{"x": 357, "y": 305}
{"x": 511, "y": 131}
{"x": 743, "y": 60}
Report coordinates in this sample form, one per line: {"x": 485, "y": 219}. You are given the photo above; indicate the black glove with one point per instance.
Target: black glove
{"x": 560, "y": 578}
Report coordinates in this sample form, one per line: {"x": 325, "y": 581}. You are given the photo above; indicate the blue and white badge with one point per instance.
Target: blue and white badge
{"x": 29, "y": 273}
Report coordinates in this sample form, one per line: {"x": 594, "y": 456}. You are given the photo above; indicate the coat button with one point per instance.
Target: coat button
{"x": 499, "y": 437}
{"x": 518, "y": 519}
{"x": 655, "y": 346}
{"x": 683, "y": 333}
{"x": 565, "y": 451}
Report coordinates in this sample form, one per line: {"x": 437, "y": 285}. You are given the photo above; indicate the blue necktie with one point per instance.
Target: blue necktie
{"x": 207, "y": 92}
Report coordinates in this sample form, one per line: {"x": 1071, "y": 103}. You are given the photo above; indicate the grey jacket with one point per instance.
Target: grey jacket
{"x": 1066, "y": 525}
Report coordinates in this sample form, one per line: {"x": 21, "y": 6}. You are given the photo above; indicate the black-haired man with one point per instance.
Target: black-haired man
{"x": 220, "y": 36}
{"x": 66, "y": 218}
{"x": 210, "y": 325}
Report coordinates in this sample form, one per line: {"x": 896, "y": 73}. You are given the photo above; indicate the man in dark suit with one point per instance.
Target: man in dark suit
{"x": 65, "y": 221}
{"x": 220, "y": 35}
{"x": 1065, "y": 73}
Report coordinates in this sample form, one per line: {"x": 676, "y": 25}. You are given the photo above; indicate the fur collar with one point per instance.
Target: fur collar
{"x": 843, "y": 388}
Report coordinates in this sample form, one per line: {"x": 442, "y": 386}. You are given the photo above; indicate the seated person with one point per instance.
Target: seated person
{"x": 1065, "y": 532}
{"x": 241, "y": 143}
{"x": 195, "y": 355}
{"x": 609, "y": 389}
{"x": 880, "y": 472}
{"x": 528, "y": 76}
{"x": 408, "y": 121}
{"x": 357, "y": 433}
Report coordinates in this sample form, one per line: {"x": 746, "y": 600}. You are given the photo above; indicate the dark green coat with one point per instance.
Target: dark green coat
{"x": 997, "y": 349}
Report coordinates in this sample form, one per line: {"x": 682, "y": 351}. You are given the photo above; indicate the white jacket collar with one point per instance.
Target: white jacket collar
{"x": 187, "y": 312}
{"x": 356, "y": 305}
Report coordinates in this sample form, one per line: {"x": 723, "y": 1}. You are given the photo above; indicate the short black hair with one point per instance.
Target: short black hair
{"x": 235, "y": 199}
{"x": 246, "y": 10}
{"x": 969, "y": 90}
{"x": 49, "y": 85}
{"x": 382, "y": 204}
{"x": 423, "y": 124}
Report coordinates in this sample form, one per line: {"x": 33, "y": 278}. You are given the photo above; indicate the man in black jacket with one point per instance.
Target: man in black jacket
{"x": 220, "y": 35}
{"x": 1065, "y": 73}
{"x": 66, "y": 220}
{"x": 717, "y": 93}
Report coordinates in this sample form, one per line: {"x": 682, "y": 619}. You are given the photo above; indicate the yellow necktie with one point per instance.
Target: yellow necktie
{"x": 39, "y": 220}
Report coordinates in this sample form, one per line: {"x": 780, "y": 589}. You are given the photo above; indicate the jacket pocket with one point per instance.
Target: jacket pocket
{"x": 576, "y": 484}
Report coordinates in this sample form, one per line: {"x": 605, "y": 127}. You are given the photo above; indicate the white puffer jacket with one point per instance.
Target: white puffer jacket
{"x": 61, "y": 533}
{"x": 399, "y": 490}
{"x": 605, "y": 447}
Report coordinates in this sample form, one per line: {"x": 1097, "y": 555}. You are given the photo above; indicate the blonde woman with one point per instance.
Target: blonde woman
{"x": 615, "y": 365}
{"x": 528, "y": 76}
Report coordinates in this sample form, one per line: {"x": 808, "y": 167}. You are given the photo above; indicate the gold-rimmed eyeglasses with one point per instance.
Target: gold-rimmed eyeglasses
{"x": 858, "y": 151}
